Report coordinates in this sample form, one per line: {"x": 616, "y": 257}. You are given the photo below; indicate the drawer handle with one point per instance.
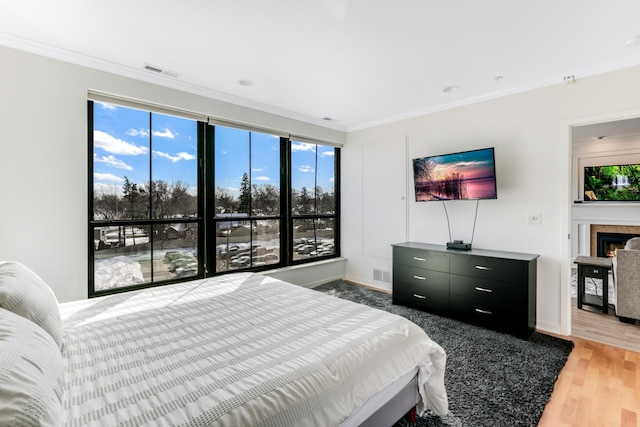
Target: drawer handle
{"x": 478, "y": 288}
{"x": 419, "y": 277}
{"x": 482, "y": 267}
{"x": 417, "y": 258}
{"x": 481, "y": 311}
{"x": 419, "y": 296}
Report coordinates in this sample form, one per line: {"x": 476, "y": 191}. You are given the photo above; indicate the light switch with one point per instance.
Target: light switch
{"x": 534, "y": 218}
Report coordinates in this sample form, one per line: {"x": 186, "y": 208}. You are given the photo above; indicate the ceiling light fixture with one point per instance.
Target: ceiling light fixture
{"x": 450, "y": 89}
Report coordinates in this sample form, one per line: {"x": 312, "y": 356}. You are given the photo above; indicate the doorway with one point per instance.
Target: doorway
{"x": 599, "y": 142}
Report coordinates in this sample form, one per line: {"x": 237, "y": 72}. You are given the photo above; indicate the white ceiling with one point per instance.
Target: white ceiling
{"x": 358, "y": 62}
{"x": 607, "y": 130}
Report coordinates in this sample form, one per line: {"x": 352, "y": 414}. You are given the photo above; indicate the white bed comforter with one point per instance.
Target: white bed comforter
{"x": 238, "y": 350}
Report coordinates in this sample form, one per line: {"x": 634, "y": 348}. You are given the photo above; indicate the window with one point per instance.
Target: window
{"x": 248, "y": 179}
{"x": 173, "y": 198}
{"x": 144, "y": 203}
{"x": 314, "y": 202}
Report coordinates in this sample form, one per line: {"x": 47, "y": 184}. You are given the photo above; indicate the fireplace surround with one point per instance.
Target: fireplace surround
{"x": 606, "y": 238}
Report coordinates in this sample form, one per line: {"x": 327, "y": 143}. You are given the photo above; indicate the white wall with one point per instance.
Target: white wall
{"x": 43, "y": 165}
{"x": 530, "y": 133}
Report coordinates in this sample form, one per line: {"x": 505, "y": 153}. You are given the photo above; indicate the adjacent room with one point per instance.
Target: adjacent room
{"x": 323, "y": 212}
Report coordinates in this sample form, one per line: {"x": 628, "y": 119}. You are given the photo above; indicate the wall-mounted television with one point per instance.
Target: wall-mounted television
{"x": 467, "y": 175}
{"x": 613, "y": 183}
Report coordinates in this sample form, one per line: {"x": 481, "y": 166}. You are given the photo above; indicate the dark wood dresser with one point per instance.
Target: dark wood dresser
{"x": 494, "y": 289}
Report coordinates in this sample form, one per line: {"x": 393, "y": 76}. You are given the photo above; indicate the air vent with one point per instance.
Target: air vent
{"x": 386, "y": 276}
{"x": 381, "y": 275}
{"x": 162, "y": 71}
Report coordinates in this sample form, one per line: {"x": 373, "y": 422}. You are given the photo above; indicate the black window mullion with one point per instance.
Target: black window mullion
{"x": 91, "y": 196}
{"x": 211, "y": 223}
{"x": 203, "y": 194}
{"x": 151, "y": 190}
{"x": 286, "y": 226}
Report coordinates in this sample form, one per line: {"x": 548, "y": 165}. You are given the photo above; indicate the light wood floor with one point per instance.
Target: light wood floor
{"x": 599, "y": 385}
{"x": 604, "y": 328}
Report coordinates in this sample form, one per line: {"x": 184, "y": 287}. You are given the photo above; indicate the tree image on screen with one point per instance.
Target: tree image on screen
{"x": 612, "y": 183}
{"x": 451, "y": 186}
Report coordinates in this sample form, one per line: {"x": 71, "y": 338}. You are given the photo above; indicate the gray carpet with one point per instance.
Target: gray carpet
{"x": 492, "y": 379}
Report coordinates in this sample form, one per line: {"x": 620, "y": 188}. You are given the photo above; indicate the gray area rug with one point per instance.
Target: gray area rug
{"x": 492, "y": 379}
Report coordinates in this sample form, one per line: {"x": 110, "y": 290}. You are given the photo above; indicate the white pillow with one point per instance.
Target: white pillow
{"x": 26, "y": 294}
{"x": 31, "y": 370}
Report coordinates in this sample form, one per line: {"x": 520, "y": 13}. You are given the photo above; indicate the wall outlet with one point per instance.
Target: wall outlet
{"x": 534, "y": 218}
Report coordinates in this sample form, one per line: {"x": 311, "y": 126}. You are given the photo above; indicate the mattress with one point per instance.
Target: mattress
{"x": 236, "y": 350}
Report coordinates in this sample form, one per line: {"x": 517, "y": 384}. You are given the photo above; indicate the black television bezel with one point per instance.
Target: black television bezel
{"x": 495, "y": 179}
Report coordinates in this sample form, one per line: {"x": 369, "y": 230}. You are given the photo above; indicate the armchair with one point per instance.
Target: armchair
{"x": 626, "y": 273}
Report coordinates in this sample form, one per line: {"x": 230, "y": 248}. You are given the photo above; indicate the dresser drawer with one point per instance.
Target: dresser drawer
{"x": 595, "y": 272}
{"x": 504, "y": 270}
{"x": 487, "y": 314}
{"x": 431, "y": 260}
{"x": 421, "y": 297}
{"x": 419, "y": 277}
{"x": 492, "y": 291}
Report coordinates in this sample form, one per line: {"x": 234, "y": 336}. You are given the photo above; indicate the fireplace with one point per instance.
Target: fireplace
{"x": 608, "y": 243}
{"x": 606, "y": 239}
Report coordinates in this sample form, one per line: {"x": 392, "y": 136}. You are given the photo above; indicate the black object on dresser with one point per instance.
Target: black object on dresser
{"x": 489, "y": 288}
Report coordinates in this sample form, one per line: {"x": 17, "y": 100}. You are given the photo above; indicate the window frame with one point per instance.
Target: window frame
{"x": 214, "y": 219}
{"x": 292, "y": 218}
{"x": 206, "y": 219}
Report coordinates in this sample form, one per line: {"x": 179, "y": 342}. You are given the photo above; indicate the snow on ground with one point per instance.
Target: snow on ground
{"x": 116, "y": 272}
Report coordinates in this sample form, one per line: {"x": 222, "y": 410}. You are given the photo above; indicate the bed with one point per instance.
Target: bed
{"x": 237, "y": 350}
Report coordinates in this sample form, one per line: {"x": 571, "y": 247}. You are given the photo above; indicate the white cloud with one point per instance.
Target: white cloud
{"x": 164, "y": 134}
{"x": 138, "y": 132}
{"x": 305, "y": 168}
{"x": 302, "y": 146}
{"x": 102, "y": 188}
{"x": 114, "y": 145}
{"x": 112, "y": 161}
{"x": 328, "y": 153}
{"x": 261, "y": 178}
{"x": 176, "y": 158}
{"x": 107, "y": 177}
{"x": 107, "y": 106}
{"x": 186, "y": 156}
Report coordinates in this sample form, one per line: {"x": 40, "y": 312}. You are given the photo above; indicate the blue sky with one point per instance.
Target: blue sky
{"x": 121, "y": 148}
{"x": 472, "y": 164}
{"x": 121, "y": 140}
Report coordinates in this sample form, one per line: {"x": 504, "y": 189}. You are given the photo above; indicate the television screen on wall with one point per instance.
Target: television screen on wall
{"x": 468, "y": 175}
{"x": 612, "y": 183}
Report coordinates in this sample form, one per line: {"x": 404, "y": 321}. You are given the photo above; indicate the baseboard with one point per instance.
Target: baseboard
{"x": 550, "y": 329}
{"x": 311, "y": 274}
